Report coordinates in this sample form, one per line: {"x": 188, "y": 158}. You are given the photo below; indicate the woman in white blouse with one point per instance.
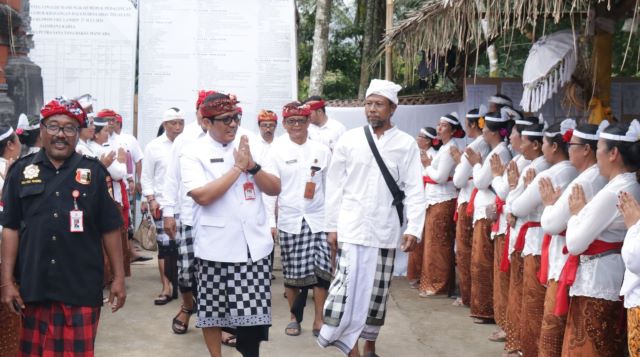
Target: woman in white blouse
{"x": 630, "y": 210}
{"x": 556, "y": 214}
{"x": 441, "y": 194}
{"x": 512, "y": 260}
{"x": 500, "y": 184}
{"x": 463, "y": 179}
{"x": 497, "y": 127}
{"x": 595, "y": 232}
{"x": 529, "y": 206}
{"x": 429, "y": 144}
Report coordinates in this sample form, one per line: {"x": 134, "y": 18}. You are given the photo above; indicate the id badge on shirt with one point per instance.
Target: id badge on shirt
{"x": 76, "y": 221}
{"x": 249, "y": 191}
{"x": 309, "y": 190}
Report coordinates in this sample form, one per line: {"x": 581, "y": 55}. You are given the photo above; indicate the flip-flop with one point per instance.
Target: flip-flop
{"x": 316, "y": 332}
{"x": 141, "y": 259}
{"x": 228, "y": 341}
{"x": 162, "y": 299}
{"x": 293, "y": 325}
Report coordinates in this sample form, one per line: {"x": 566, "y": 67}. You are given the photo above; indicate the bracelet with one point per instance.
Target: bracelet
{"x": 239, "y": 168}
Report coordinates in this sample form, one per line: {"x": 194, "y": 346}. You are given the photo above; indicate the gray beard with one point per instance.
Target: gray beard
{"x": 376, "y": 123}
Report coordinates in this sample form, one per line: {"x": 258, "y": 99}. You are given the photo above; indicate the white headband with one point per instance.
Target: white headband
{"x": 426, "y": 133}
{"x": 450, "y": 120}
{"x": 603, "y": 125}
{"x": 532, "y": 133}
{"x": 482, "y": 111}
{"x": 384, "y": 88}
{"x": 632, "y": 135}
{"x": 499, "y": 100}
{"x": 7, "y": 134}
{"x": 566, "y": 125}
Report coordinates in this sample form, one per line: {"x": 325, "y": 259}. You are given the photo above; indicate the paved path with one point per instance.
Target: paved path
{"x": 415, "y": 327}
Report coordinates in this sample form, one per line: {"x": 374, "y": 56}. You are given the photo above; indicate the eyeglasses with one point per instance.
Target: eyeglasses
{"x": 227, "y": 120}
{"x": 296, "y": 122}
{"x": 267, "y": 126}
{"x": 68, "y": 130}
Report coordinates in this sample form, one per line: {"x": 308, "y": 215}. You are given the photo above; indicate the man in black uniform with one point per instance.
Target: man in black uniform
{"x": 58, "y": 215}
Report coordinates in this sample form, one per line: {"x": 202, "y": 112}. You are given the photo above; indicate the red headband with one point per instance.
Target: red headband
{"x": 296, "y": 111}
{"x": 202, "y": 94}
{"x": 315, "y": 105}
{"x": 64, "y": 106}
{"x": 107, "y": 113}
{"x": 215, "y": 107}
{"x": 267, "y": 115}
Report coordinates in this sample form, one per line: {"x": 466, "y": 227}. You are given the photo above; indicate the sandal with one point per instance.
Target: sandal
{"x": 162, "y": 299}
{"x": 483, "y": 321}
{"x": 179, "y": 327}
{"x": 498, "y": 336}
{"x": 230, "y": 341}
{"x": 458, "y": 302}
{"x": 293, "y": 325}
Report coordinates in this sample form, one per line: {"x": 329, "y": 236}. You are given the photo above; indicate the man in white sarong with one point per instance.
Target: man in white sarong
{"x": 363, "y": 225}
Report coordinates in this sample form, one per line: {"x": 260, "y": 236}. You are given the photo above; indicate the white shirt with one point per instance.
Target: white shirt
{"x": 441, "y": 169}
{"x": 358, "y": 201}
{"x": 600, "y": 219}
{"x": 117, "y": 169}
{"x": 539, "y": 164}
{"x": 482, "y": 178}
{"x": 129, "y": 143}
{"x": 631, "y": 258}
{"x": 230, "y": 229}
{"x": 555, "y": 217}
{"x": 462, "y": 177}
{"x": 528, "y": 206}
{"x": 174, "y": 200}
{"x": 292, "y": 164}
{"x": 157, "y": 155}
{"x": 328, "y": 134}
{"x": 500, "y": 185}
{"x": 84, "y": 148}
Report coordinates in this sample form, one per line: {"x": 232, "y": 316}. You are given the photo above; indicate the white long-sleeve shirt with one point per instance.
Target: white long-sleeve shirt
{"x": 328, "y": 134}
{"x": 500, "y": 186}
{"x": 154, "y": 168}
{"x": 441, "y": 170}
{"x": 174, "y": 200}
{"x": 464, "y": 171}
{"x": 631, "y": 258}
{"x": 358, "y": 202}
{"x": 292, "y": 164}
{"x": 482, "y": 178}
{"x": 84, "y": 148}
{"x": 600, "y": 277}
{"x": 555, "y": 217}
{"x": 117, "y": 169}
{"x": 539, "y": 164}
{"x": 231, "y": 228}
{"x": 528, "y": 206}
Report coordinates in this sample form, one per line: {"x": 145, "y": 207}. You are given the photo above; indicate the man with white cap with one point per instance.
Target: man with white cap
{"x": 154, "y": 169}
{"x": 364, "y": 219}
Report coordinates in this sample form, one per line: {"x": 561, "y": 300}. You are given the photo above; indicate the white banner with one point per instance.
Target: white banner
{"x": 87, "y": 46}
{"x": 244, "y": 47}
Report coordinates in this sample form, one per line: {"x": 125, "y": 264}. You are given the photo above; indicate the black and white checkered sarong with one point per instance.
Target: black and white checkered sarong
{"x": 305, "y": 257}
{"x": 335, "y": 304}
{"x": 234, "y": 294}
{"x": 186, "y": 259}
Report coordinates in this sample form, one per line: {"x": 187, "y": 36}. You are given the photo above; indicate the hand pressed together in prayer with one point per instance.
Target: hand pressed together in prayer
{"x": 11, "y": 297}
{"x": 497, "y": 168}
{"x": 512, "y": 175}
{"x": 472, "y": 156}
{"x": 117, "y": 294}
{"x": 242, "y": 155}
{"x": 548, "y": 193}
{"x": 122, "y": 156}
{"x": 629, "y": 208}
{"x": 529, "y": 176}
{"x": 424, "y": 158}
{"x": 108, "y": 158}
{"x": 577, "y": 200}
{"x": 409, "y": 243}
{"x": 456, "y": 154}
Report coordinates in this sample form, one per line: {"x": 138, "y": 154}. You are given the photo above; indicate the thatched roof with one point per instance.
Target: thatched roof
{"x": 440, "y": 25}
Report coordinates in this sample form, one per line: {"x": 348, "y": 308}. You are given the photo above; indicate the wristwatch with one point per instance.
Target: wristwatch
{"x": 255, "y": 169}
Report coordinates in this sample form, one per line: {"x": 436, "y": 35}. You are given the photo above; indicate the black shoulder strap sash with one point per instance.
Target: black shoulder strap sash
{"x": 396, "y": 192}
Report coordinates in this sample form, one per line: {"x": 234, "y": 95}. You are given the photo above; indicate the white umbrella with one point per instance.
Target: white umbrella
{"x": 551, "y": 62}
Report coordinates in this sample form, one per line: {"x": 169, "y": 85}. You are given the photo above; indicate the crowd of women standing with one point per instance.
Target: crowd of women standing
{"x": 540, "y": 225}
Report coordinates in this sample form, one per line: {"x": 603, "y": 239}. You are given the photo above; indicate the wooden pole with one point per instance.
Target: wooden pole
{"x": 387, "y": 49}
